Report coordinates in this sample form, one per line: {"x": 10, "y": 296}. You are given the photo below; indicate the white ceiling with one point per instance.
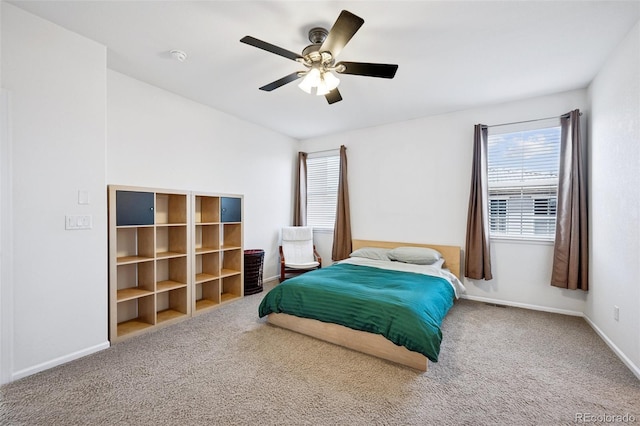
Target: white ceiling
{"x": 452, "y": 55}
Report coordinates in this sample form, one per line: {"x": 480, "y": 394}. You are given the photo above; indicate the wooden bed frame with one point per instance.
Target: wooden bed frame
{"x": 369, "y": 343}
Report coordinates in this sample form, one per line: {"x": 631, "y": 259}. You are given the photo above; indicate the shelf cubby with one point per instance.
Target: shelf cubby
{"x": 171, "y": 241}
{"x": 231, "y": 287}
{"x": 134, "y": 244}
{"x": 207, "y": 294}
{"x": 207, "y": 267}
{"x": 207, "y": 209}
{"x": 171, "y": 304}
{"x": 171, "y": 209}
{"x": 231, "y": 235}
{"x": 171, "y": 273}
{"x": 135, "y": 315}
{"x": 231, "y": 262}
{"x": 207, "y": 238}
{"x": 135, "y": 280}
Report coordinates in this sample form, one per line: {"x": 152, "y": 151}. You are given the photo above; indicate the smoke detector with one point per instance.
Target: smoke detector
{"x": 179, "y": 55}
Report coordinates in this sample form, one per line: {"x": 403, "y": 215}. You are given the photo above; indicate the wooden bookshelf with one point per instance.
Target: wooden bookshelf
{"x": 217, "y": 229}
{"x": 149, "y": 242}
{"x": 172, "y": 254}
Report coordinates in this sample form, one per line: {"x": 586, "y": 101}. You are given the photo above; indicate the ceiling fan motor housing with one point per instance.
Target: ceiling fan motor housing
{"x": 312, "y": 55}
{"x": 317, "y": 35}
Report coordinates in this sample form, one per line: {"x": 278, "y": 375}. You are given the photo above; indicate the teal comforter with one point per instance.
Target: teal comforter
{"x": 407, "y": 308}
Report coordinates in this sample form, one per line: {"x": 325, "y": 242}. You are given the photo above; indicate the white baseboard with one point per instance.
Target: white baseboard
{"x": 58, "y": 361}
{"x": 634, "y": 368}
{"x": 274, "y": 278}
{"x": 523, "y": 305}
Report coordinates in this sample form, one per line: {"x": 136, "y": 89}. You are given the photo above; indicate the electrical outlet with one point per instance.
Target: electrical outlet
{"x": 616, "y": 313}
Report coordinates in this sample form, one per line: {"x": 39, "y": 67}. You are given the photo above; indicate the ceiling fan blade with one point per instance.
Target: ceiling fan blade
{"x": 284, "y": 80}
{"x": 339, "y": 35}
{"x": 252, "y": 41}
{"x": 333, "y": 96}
{"x": 367, "y": 69}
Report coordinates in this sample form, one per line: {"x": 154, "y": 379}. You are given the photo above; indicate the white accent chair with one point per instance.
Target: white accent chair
{"x": 297, "y": 252}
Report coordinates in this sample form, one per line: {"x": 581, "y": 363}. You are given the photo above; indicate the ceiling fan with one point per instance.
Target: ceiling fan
{"x": 319, "y": 59}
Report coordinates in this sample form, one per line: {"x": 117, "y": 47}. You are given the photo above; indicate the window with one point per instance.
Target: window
{"x": 498, "y": 214}
{"x": 523, "y": 169}
{"x": 323, "y": 171}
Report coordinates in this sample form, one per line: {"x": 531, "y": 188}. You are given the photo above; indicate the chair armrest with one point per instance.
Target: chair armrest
{"x": 282, "y": 274}
{"x": 317, "y": 256}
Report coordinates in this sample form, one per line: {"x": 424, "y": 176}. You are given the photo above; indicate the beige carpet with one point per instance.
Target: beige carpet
{"x": 498, "y": 366}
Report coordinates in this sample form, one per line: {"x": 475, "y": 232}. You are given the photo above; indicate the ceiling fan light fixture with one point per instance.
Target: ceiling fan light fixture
{"x": 311, "y": 80}
{"x": 322, "y": 81}
{"x": 330, "y": 80}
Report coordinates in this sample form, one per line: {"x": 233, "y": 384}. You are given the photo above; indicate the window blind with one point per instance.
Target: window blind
{"x": 523, "y": 181}
{"x": 322, "y": 189}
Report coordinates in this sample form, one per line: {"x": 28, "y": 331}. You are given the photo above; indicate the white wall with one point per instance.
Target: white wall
{"x": 63, "y": 104}
{"x": 410, "y": 181}
{"x": 6, "y": 290}
{"x": 615, "y": 200}
{"x": 160, "y": 140}
{"x": 57, "y": 86}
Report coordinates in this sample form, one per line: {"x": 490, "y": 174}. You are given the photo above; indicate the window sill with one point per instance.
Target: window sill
{"x": 517, "y": 240}
{"x": 322, "y": 231}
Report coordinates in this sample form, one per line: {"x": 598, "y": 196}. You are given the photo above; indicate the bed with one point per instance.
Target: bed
{"x": 389, "y": 309}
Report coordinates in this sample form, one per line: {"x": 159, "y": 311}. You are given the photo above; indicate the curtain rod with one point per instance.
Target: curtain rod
{"x": 526, "y": 121}
{"x": 326, "y": 150}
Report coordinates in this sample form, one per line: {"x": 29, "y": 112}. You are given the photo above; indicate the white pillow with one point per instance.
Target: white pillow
{"x": 438, "y": 263}
{"x": 415, "y": 255}
{"x": 374, "y": 253}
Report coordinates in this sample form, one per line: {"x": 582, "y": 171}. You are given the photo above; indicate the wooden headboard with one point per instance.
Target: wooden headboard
{"x": 451, "y": 254}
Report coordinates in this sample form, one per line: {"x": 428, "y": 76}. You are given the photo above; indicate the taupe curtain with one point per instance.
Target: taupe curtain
{"x": 477, "y": 261}
{"x": 571, "y": 250}
{"x": 300, "y": 196}
{"x": 342, "y": 230}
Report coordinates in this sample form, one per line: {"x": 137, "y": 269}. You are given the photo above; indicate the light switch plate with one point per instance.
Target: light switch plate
{"x": 83, "y": 197}
{"x": 75, "y": 222}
